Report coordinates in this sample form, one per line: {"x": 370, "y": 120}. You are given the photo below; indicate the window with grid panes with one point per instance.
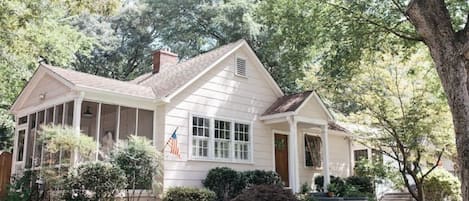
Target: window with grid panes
{"x": 222, "y": 138}
{"x": 200, "y": 137}
{"x": 241, "y": 141}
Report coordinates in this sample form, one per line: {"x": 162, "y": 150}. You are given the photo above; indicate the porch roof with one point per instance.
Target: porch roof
{"x": 88, "y": 81}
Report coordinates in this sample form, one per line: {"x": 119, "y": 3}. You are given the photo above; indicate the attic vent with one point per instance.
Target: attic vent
{"x": 240, "y": 67}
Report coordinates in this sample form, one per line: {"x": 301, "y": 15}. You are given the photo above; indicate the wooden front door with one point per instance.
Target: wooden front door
{"x": 281, "y": 157}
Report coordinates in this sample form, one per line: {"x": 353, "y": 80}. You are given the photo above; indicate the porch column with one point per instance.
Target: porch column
{"x": 293, "y": 155}
{"x": 76, "y": 123}
{"x": 325, "y": 139}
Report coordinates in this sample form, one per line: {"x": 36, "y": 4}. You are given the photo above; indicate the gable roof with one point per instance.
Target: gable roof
{"x": 93, "y": 82}
{"x": 292, "y": 103}
{"x": 174, "y": 78}
{"x": 288, "y": 103}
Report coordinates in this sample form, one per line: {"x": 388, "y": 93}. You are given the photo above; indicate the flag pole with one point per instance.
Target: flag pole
{"x": 167, "y": 142}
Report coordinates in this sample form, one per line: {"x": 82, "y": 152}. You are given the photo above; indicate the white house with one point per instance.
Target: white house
{"x": 226, "y": 106}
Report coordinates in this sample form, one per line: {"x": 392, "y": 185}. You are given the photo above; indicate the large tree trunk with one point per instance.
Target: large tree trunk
{"x": 448, "y": 48}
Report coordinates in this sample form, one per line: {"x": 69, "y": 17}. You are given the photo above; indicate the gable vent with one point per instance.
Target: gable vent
{"x": 240, "y": 67}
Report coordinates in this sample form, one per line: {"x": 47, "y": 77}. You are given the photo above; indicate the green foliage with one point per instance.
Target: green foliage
{"x": 66, "y": 138}
{"x": 362, "y": 184}
{"x": 258, "y": 177}
{"x": 189, "y": 194}
{"x": 20, "y": 188}
{"x": 103, "y": 180}
{"x": 442, "y": 185}
{"x": 140, "y": 162}
{"x": 235, "y": 182}
{"x": 231, "y": 186}
{"x": 266, "y": 193}
{"x": 378, "y": 172}
{"x": 319, "y": 182}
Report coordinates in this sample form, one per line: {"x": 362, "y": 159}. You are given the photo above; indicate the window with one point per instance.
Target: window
{"x": 240, "y": 67}
{"x": 23, "y": 120}
{"x": 200, "y": 137}
{"x": 145, "y": 123}
{"x": 376, "y": 156}
{"x": 241, "y": 144}
{"x": 312, "y": 151}
{"x": 224, "y": 140}
{"x": 360, "y": 154}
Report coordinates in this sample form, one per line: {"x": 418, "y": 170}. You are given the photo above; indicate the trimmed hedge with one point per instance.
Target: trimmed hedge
{"x": 189, "y": 194}
{"x": 228, "y": 183}
{"x": 266, "y": 193}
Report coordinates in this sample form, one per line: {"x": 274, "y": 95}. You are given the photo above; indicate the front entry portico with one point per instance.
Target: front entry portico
{"x": 294, "y": 116}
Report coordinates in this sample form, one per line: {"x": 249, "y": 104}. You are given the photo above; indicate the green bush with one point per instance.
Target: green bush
{"x": 94, "y": 181}
{"x": 266, "y": 193}
{"x": 319, "y": 182}
{"x": 189, "y": 194}
{"x": 363, "y": 184}
{"x": 234, "y": 182}
{"x": 258, "y": 177}
{"x": 139, "y": 160}
{"x": 20, "y": 189}
{"x": 441, "y": 185}
{"x": 225, "y": 182}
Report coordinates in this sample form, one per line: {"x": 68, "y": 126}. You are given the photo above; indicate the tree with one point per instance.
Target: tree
{"x": 402, "y": 99}
{"x": 355, "y": 30}
{"x": 32, "y": 31}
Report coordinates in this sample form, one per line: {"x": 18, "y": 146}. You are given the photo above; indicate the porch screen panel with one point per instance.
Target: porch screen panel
{"x": 69, "y": 113}
{"x": 37, "y": 144}
{"x": 88, "y": 123}
{"x": 48, "y": 157}
{"x": 145, "y": 124}
{"x": 30, "y": 141}
{"x": 107, "y": 136}
{"x": 312, "y": 151}
{"x": 127, "y": 122}
{"x": 20, "y": 145}
{"x": 59, "y": 112}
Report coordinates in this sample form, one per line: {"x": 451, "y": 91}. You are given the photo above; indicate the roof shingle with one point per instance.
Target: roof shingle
{"x": 172, "y": 77}
{"x": 101, "y": 83}
{"x": 287, "y": 103}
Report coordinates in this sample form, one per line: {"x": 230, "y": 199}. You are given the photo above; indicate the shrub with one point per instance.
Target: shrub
{"x": 94, "y": 181}
{"x": 225, "y": 182}
{"x": 362, "y": 184}
{"x": 319, "y": 182}
{"x": 141, "y": 164}
{"x": 258, "y": 177}
{"x": 266, "y": 193}
{"x": 20, "y": 189}
{"x": 441, "y": 185}
{"x": 189, "y": 194}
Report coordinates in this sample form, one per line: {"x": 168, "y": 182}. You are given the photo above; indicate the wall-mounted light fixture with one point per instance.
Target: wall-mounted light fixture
{"x": 42, "y": 96}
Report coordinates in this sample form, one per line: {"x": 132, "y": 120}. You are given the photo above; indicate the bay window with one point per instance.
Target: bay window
{"x": 216, "y": 139}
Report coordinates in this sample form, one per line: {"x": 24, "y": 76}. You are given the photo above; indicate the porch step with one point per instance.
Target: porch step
{"x": 397, "y": 197}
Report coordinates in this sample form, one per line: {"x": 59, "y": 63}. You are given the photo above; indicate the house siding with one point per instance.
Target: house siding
{"x": 48, "y": 85}
{"x": 219, "y": 94}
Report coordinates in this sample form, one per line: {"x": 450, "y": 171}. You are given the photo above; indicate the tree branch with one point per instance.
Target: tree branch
{"x": 383, "y": 27}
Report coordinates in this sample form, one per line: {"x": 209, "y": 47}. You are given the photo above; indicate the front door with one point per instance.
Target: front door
{"x": 281, "y": 157}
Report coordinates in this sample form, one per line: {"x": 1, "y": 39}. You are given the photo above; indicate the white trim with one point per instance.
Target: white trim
{"x": 98, "y": 129}
{"x": 136, "y": 122}
{"x": 293, "y": 155}
{"x": 277, "y": 115}
{"x": 32, "y": 109}
{"x": 211, "y": 139}
{"x": 118, "y": 122}
{"x": 277, "y": 89}
{"x": 314, "y": 121}
{"x": 76, "y": 123}
{"x": 321, "y": 103}
{"x": 325, "y": 139}
{"x": 272, "y": 83}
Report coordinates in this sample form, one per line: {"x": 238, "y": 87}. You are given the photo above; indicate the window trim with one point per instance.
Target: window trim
{"x": 236, "y": 66}
{"x": 211, "y": 154}
{"x": 304, "y": 151}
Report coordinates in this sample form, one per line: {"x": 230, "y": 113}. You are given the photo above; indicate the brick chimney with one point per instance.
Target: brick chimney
{"x": 162, "y": 58}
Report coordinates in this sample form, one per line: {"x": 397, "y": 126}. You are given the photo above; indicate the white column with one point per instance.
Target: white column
{"x": 325, "y": 150}
{"x": 76, "y": 123}
{"x": 15, "y": 147}
{"x": 98, "y": 129}
{"x": 293, "y": 175}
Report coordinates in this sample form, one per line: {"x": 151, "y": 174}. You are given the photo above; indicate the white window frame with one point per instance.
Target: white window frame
{"x": 211, "y": 148}
{"x": 209, "y": 138}
{"x": 236, "y": 66}
{"x": 304, "y": 151}
{"x": 239, "y": 142}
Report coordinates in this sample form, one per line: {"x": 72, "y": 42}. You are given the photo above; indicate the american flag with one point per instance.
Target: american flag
{"x": 173, "y": 144}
